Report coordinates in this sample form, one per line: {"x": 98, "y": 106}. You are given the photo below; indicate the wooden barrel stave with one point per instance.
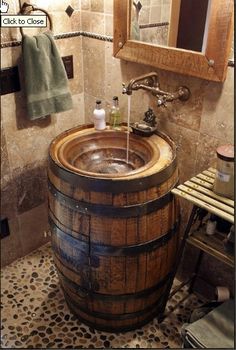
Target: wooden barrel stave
{"x": 99, "y": 227}
{"x": 79, "y": 224}
{"x": 154, "y": 263}
{"x": 114, "y": 325}
{"x": 115, "y": 308}
{"x": 118, "y": 304}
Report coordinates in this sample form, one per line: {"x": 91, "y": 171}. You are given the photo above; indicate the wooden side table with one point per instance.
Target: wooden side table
{"x": 198, "y": 191}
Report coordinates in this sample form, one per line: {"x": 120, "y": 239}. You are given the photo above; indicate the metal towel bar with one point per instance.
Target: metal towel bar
{"x": 28, "y": 8}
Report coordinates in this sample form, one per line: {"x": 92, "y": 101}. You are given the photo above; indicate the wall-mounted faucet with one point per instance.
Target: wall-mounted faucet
{"x": 150, "y": 82}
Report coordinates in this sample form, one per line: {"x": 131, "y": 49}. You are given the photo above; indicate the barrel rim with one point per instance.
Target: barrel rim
{"x": 118, "y": 185}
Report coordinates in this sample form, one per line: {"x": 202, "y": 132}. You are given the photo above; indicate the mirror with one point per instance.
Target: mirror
{"x": 191, "y": 37}
{"x": 173, "y": 23}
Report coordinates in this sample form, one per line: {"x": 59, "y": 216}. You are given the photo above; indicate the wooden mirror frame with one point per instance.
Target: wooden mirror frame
{"x": 211, "y": 65}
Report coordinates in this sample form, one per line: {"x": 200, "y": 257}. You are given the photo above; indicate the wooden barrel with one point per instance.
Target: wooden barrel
{"x": 114, "y": 239}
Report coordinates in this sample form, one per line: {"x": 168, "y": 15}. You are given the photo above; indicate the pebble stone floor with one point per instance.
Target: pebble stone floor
{"x": 35, "y": 315}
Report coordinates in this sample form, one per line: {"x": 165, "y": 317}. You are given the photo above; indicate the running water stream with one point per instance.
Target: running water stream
{"x": 128, "y": 125}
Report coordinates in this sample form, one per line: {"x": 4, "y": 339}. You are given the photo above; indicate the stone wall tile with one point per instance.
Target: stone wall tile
{"x": 5, "y": 166}
{"x": 11, "y": 247}
{"x": 144, "y": 15}
{"x": 218, "y": 109}
{"x": 93, "y": 22}
{"x": 76, "y": 21}
{"x": 206, "y": 152}
{"x": 108, "y": 6}
{"x": 74, "y": 117}
{"x": 186, "y": 141}
{"x": 6, "y": 57}
{"x": 155, "y": 2}
{"x": 27, "y": 141}
{"x": 33, "y": 224}
{"x": 146, "y": 2}
{"x": 165, "y": 12}
{"x": 97, "y": 5}
{"x": 31, "y": 185}
{"x": 59, "y": 6}
{"x": 9, "y": 34}
{"x": 85, "y": 21}
{"x": 94, "y": 67}
{"x": 9, "y": 199}
{"x": 109, "y": 25}
{"x": 76, "y": 4}
{"x": 85, "y": 5}
{"x": 89, "y": 105}
{"x": 6, "y": 35}
{"x": 61, "y": 22}
{"x": 73, "y": 46}
{"x": 188, "y": 113}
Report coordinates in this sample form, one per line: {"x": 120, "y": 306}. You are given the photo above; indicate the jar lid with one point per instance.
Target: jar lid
{"x": 226, "y": 152}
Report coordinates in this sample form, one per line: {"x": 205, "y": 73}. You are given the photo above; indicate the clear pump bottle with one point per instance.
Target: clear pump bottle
{"x": 115, "y": 116}
{"x": 99, "y": 115}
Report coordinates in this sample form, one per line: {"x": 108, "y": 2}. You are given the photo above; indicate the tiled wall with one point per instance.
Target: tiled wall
{"x": 24, "y": 144}
{"x": 198, "y": 126}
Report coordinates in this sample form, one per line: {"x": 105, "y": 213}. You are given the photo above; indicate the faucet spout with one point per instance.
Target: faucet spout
{"x": 149, "y": 80}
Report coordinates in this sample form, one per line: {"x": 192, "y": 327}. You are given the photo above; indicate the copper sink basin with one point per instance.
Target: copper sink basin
{"x": 104, "y": 153}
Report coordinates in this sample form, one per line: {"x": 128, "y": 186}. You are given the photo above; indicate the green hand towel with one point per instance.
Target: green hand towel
{"x": 46, "y": 82}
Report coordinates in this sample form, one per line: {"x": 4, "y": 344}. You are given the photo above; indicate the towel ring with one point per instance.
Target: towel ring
{"x": 28, "y": 8}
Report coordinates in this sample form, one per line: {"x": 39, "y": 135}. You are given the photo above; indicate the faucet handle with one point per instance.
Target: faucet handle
{"x": 161, "y": 101}
{"x": 124, "y": 89}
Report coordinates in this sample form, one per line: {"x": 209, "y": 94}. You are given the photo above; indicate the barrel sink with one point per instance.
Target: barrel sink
{"x": 114, "y": 224}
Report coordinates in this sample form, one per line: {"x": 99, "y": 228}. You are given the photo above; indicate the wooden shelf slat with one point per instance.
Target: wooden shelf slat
{"x": 212, "y": 170}
{"x": 206, "y": 178}
{"x": 201, "y": 204}
{"x": 207, "y": 199}
{"x": 201, "y": 182}
{"x": 211, "y": 245}
{"x": 209, "y": 174}
{"x": 210, "y": 193}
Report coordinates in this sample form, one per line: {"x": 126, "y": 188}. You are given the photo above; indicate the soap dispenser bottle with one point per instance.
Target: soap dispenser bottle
{"x": 115, "y": 117}
{"x": 99, "y": 115}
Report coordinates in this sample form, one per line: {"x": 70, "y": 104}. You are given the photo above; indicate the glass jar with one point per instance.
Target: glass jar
{"x": 224, "y": 179}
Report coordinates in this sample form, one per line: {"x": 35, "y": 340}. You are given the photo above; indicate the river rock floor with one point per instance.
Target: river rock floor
{"x": 35, "y": 315}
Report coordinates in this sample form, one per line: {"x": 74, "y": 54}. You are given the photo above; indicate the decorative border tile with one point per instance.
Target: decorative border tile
{"x": 64, "y": 36}
{"x": 91, "y": 35}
